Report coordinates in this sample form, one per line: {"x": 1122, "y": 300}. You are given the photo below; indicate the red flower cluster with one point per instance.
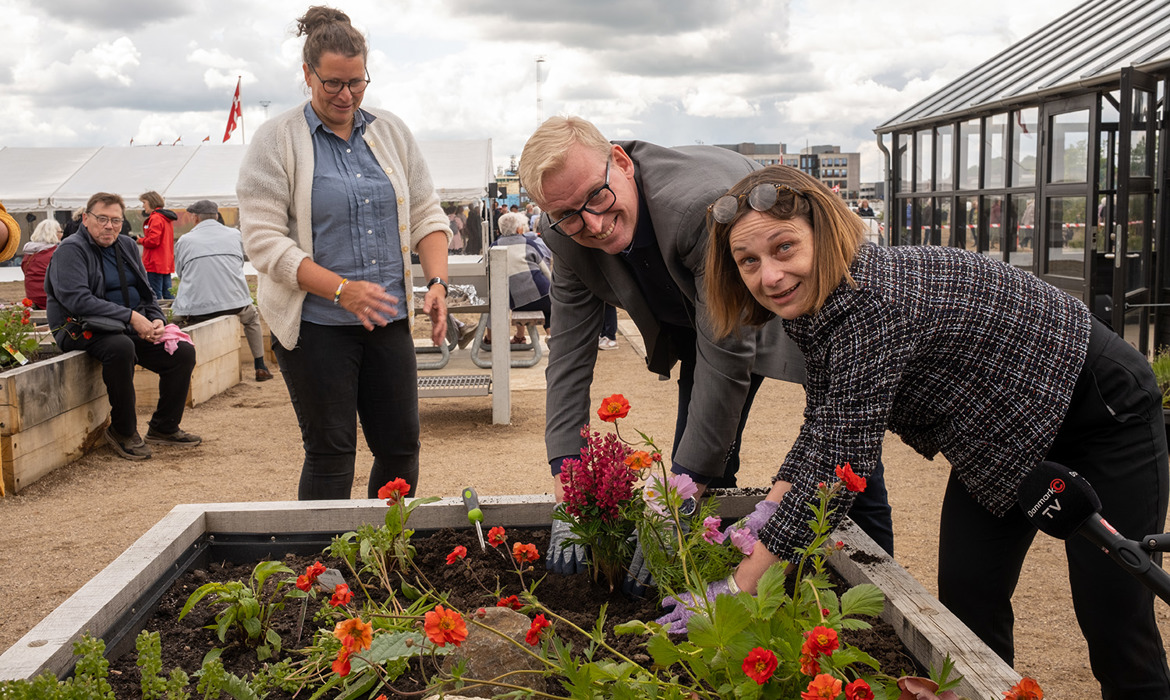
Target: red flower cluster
{"x": 817, "y": 641}
{"x": 355, "y": 636}
{"x": 460, "y": 552}
{"x": 1026, "y": 689}
{"x": 524, "y": 553}
{"x": 852, "y": 481}
{"x": 858, "y": 690}
{"x": 600, "y": 481}
{"x": 613, "y": 407}
{"x": 394, "y": 491}
{"x": 760, "y": 664}
{"x": 442, "y": 626}
{"x": 496, "y": 536}
{"x": 538, "y": 625}
{"x": 341, "y": 595}
{"x": 311, "y": 574}
{"x": 510, "y": 602}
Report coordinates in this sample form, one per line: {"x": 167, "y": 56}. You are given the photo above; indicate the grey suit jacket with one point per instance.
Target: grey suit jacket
{"x": 678, "y": 184}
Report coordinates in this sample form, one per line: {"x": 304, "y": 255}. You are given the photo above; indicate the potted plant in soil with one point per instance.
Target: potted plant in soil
{"x": 1161, "y": 366}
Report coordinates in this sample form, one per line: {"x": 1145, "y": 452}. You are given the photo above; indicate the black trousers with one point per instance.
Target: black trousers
{"x": 118, "y": 353}
{"x": 1115, "y": 436}
{"x": 338, "y": 374}
{"x": 871, "y": 508}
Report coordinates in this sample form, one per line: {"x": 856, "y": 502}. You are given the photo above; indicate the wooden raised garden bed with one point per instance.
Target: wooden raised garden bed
{"x": 54, "y": 411}
{"x": 115, "y": 604}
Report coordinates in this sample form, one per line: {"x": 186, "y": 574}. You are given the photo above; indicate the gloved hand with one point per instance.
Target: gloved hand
{"x": 683, "y": 606}
{"x": 638, "y": 577}
{"x": 563, "y": 558}
{"x": 755, "y": 520}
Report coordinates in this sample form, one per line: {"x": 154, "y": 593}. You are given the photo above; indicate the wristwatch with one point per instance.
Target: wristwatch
{"x": 438, "y": 280}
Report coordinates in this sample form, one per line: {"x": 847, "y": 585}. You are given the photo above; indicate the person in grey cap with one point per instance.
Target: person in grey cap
{"x": 209, "y": 262}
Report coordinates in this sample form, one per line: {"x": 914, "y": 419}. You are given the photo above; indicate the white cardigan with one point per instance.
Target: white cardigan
{"x": 275, "y": 189}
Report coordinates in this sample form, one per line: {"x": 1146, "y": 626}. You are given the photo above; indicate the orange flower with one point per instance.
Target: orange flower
{"x": 524, "y": 553}
{"x": 760, "y": 664}
{"x": 613, "y": 407}
{"x": 496, "y": 536}
{"x": 852, "y": 481}
{"x": 1026, "y": 689}
{"x": 823, "y": 687}
{"x": 638, "y": 460}
{"x": 460, "y": 552}
{"x": 341, "y": 595}
{"x": 809, "y": 665}
{"x": 538, "y": 625}
{"x": 442, "y": 626}
{"x": 341, "y": 663}
{"x": 510, "y": 602}
{"x": 858, "y": 690}
{"x": 354, "y": 634}
{"x": 820, "y": 640}
{"x": 394, "y": 491}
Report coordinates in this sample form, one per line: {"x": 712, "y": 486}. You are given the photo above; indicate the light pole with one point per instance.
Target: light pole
{"x": 264, "y": 104}
{"x": 539, "y": 99}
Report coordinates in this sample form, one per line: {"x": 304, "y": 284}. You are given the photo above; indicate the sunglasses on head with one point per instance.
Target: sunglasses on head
{"x": 762, "y": 197}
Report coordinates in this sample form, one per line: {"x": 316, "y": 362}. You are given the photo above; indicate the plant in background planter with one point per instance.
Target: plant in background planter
{"x": 1161, "y": 366}
{"x": 16, "y": 334}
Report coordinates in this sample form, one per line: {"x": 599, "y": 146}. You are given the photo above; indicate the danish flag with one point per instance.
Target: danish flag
{"x": 235, "y": 115}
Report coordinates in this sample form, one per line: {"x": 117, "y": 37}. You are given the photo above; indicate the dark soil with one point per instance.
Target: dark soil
{"x": 577, "y": 598}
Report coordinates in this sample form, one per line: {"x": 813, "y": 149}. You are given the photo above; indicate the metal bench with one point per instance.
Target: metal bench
{"x": 532, "y": 320}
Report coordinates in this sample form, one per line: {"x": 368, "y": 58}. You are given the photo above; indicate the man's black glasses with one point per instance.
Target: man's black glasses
{"x": 762, "y": 197}
{"x": 598, "y": 202}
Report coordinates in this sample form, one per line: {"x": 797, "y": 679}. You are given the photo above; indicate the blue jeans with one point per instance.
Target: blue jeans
{"x": 160, "y": 284}
{"x": 338, "y": 374}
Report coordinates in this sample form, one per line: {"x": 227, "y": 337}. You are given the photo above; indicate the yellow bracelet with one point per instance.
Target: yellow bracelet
{"x": 337, "y": 294}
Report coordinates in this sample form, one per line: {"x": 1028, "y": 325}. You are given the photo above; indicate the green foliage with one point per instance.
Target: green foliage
{"x": 149, "y": 661}
{"x": 1161, "y": 366}
{"x": 246, "y": 609}
{"x": 89, "y": 681}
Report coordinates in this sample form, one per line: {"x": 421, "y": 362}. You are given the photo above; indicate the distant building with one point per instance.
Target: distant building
{"x": 828, "y": 164}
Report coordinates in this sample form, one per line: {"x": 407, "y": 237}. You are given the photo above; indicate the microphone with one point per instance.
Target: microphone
{"x": 1060, "y": 502}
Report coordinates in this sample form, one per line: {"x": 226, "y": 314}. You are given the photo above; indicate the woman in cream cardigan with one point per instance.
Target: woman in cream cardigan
{"x": 333, "y": 199}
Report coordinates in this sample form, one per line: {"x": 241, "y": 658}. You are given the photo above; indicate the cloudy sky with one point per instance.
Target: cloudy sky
{"x": 88, "y": 73}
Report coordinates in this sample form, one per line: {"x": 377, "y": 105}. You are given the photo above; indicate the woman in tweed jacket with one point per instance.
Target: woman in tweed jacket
{"x": 961, "y": 355}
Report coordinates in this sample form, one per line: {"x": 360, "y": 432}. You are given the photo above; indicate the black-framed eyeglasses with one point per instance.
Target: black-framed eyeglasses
{"x": 106, "y": 220}
{"x": 597, "y": 203}
{"x": 762, "y": 197}
{"x": 356, "y": 86}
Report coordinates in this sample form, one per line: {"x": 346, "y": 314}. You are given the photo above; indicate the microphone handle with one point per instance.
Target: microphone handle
{"x": 1128, "y": 554}
{"x": 1156, "y": 543}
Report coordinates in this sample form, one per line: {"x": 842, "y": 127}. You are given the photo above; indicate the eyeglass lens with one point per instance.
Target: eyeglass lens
{"x": 762, "y": 197}
{"x": 107, "y": 221}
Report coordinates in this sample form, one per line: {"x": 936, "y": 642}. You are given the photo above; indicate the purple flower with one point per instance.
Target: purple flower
{"x": 683, "y": 485}
{"x": 743, "y": 539}
{"x": 711, "y": 531}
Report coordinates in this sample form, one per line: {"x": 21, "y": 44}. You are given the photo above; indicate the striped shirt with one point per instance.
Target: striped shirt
{"x": 953, "y": 352}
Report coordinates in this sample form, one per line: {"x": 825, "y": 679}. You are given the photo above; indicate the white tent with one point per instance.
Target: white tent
{"x": 47, "y": 179}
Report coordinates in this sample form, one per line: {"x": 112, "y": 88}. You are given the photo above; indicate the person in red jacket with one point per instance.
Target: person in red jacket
{"x": 158, "y": 243}
{"x": 35, "y": 259}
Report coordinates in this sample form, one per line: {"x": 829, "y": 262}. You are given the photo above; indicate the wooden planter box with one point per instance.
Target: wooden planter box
{"x": 54, "y": 411}
{"x": 115, "y": 604}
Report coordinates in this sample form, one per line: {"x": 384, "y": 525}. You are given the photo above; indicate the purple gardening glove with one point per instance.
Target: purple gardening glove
{"x": 683, "y": 605}
{"x": 755, "y": 520}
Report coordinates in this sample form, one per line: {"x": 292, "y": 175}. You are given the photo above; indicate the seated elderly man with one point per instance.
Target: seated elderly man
{"x": 209, "y": 261}
{"x": 99, "y": 301}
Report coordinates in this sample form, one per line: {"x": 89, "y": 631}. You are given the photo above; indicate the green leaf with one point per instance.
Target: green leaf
{"x": 770, "y": 593}
{"x": 663, "y": 651}
{"x": 359, "y": 686}
{"x": 863, "y": 599}
{"x": 731, "y": 618}
{"x": 199, "y": 594}
{"x": 631, "y": 627}
{"x": 265, "y": 569}
{"x": 394, "y": 647}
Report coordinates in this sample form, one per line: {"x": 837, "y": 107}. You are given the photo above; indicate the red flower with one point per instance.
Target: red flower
{"x": 823, "y": 687}
{"x": 820, "y": 640}
{"x": 858, "y": 690}
{"x": 809, "y": 665}
{"x": 538, "y": 625}
{"x": 639, "y": 460}
{"x": 87, "y": 334}
{"x": 496, "y": 536}
{"x": 444, "y": 626}
{"x": 394, "y": 491}
{"x": 312, "y": 572}
{"x": 341, "y": 663}
{"x": 852, "y": 481}
{"x": 354, "y": 634}
{"x": 460, "y": 552}
{"x": 1026, "y": 689}
{"x": 341, "y": 595}
{"x": 24, "y": 321}
{"x": 510, "y": 602}
{"x": 760, "y": 664}
{"x": 613, "y": 407}
{"x": 524, "y": 553}
{"x": 26, "y": 301}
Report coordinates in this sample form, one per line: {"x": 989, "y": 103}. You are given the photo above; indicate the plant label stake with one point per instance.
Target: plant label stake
{"x": 474, "y": 514}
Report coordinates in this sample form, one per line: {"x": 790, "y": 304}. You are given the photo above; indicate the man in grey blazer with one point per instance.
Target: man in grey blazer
{"x": 626, "y": 224}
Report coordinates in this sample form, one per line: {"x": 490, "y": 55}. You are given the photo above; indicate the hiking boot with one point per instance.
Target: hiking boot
{"x": 180, "y": 437}
{"x": 128, "y": 447}
{"x": 263, "y": 375}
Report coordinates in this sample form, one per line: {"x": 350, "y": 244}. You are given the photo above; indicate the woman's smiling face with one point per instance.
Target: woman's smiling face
{"x": 775, "y": 260}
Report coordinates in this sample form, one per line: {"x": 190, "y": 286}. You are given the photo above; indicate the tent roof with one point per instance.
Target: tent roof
{"x": 1085, "y": 48}
{"x": 36, "y": 179}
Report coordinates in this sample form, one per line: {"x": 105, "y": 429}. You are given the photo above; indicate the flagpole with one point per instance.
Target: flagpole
{"x": 243, "y": 137}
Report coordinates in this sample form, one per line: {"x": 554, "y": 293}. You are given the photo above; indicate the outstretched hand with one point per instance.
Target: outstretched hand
{"x": 685, "y": 605}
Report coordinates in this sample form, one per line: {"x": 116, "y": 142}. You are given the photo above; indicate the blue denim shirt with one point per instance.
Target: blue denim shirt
{"x": 355, "y": 219}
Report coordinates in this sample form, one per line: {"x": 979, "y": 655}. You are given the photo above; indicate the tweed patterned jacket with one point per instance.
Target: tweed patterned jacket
{"x": 954, "y": 352}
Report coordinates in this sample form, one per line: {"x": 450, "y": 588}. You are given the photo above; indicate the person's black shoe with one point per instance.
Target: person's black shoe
{"x": 180, "y": 437}
{"x": 127, "y": 447}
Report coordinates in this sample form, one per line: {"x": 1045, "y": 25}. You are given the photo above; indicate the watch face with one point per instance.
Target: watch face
{"x": 688, "y": 507}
